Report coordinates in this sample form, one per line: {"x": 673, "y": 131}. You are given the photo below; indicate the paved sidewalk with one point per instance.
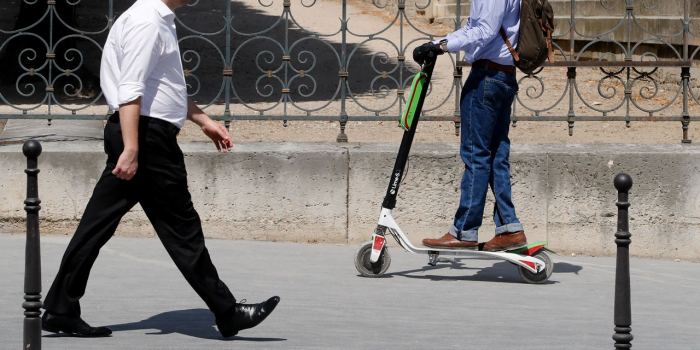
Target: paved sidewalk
{"x": 471, "y": 304}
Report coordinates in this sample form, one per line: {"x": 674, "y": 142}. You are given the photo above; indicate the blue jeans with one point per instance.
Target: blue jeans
{"x": 487, "y": 98}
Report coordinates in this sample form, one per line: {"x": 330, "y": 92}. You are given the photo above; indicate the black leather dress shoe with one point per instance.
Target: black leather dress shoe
{"x": 244, "y": 316}
{"x": 71, "y": 325}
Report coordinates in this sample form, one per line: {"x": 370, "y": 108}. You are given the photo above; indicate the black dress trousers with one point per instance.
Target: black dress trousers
{"x": 160, "y": 186}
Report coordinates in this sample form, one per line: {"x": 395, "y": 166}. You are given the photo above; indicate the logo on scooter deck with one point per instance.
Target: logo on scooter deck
{"x": 395, "y": 184}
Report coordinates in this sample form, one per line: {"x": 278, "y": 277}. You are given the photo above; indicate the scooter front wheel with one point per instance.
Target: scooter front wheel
{"x": 542, "y": 276}
{"x": 363, "y": 264}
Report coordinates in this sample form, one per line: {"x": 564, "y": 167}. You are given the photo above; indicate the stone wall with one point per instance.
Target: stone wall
{"x": 332, "y": 193}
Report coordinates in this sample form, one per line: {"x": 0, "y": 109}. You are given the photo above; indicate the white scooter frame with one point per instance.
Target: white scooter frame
{"x": 372, "y": 259}
{"x": 533, "y": 265}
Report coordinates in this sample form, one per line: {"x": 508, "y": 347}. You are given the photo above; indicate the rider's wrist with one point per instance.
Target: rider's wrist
{"x": 443, "y": 45}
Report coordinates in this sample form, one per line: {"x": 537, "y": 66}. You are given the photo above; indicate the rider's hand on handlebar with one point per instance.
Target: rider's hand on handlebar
{"x": 425, "y": 51}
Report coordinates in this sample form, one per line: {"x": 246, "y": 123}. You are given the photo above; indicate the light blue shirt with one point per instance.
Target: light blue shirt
{"x": 480, "y": 38}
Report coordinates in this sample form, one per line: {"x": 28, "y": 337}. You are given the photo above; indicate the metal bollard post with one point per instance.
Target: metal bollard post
{"x": 32, "y": 259}
{"x": 623, "y": 309}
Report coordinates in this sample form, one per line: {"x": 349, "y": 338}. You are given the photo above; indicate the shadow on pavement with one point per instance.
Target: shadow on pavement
{"x": 499, "y": 272}
{"x": 563, "y": 267}
{"x": 197, "y": 323}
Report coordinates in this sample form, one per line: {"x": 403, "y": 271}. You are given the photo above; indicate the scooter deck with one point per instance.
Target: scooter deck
{"x": 386, "y": 219}
{"x": 525, "y": 260}
{"x": 534, "y": 247}
{"x": 528, "y": 249}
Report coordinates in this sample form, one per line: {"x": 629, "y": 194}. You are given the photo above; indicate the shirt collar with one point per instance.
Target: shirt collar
{"x": 162, "y": 9}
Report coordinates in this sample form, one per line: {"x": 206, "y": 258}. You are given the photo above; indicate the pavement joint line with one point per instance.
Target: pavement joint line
{"x": 637, "y": 273}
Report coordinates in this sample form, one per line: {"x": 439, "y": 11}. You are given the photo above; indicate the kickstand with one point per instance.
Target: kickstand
{"x": 433, "y": 258}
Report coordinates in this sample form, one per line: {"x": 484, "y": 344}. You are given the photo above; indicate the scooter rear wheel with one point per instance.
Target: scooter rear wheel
{"x": 363, "y": 264}
{"x": 542, "y": 276}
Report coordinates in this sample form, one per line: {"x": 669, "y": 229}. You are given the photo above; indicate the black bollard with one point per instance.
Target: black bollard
{"x": 32, "y": 258}
{"x": 623, "y": 308}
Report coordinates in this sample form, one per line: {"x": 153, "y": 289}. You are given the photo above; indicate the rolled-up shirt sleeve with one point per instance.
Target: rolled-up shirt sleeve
{"x": 141, "y": 49}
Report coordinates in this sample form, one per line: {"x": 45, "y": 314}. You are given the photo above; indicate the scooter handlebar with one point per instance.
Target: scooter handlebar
{"x": 427, "y": 53}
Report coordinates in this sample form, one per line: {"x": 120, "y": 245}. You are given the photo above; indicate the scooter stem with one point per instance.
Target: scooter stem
{"x": 407, "y": 140}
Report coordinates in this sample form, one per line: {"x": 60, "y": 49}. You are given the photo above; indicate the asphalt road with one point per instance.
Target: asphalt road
{"x": 469, "y": 304}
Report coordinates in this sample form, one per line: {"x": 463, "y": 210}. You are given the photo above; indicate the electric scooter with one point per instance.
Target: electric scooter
{"x": 372, "y": 259}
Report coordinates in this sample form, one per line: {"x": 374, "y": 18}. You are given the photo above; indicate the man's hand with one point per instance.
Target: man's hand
{"x": 127, "y": 164}
{"x": 425, "y": 51}
{"x": 218, "y": 133}
{"x": 215, "y": 131}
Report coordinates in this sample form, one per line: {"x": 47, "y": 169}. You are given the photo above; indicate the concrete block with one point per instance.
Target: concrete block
{"x": 581, "y": 203}
{"x": 285, "y": 192}
{"x": 260, "y": 191}
{"x": 664, "y": 198}
{"x": 428, "y": 196}
{"x": 333, "y": 193}
{"x": 69, "y": 171}
{"x": 530, "y": 187}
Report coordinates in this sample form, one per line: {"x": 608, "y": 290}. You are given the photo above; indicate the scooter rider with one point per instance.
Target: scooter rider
{"x": 485, "y": 110}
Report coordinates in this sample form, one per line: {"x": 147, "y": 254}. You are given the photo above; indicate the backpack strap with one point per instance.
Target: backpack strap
{"x": 550, "y": 56}
{"x": 548, "y": 27}
{"x": 510, "y": 47}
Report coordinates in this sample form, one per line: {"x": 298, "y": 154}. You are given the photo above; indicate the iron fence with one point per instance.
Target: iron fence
{"x": 255, "y": 60}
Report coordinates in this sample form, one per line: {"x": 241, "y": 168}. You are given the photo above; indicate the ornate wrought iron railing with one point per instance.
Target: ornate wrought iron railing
{"x": 628, "y": 64}
{"x": 277, "y": 69}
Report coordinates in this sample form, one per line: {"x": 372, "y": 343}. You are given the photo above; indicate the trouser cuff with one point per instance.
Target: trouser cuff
{"x": 471, "y": 235}
{"x": 509, "y": 228}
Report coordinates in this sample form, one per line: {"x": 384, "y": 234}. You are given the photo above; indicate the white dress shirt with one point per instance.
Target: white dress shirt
{"x": 141, "y": 58}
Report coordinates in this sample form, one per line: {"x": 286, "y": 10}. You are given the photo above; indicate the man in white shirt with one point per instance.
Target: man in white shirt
{"x": 143, "y": 81}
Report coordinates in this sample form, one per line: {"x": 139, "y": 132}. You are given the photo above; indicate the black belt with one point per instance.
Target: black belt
{"x": 493, "y": 65}
{"x": 114, "y": 118}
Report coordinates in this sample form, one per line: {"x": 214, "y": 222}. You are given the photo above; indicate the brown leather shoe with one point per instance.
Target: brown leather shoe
{"x": 506, "y": 241}
{"x": 448, "y": 241}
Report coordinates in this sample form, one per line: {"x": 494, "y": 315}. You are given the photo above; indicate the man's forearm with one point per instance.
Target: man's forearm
{"x": 195, "y": 114}
{"x": 129, "y": 114}
{"x": 215, "y": 131}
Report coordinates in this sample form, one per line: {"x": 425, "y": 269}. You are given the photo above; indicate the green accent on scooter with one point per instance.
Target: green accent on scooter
{"x": 414, "y": 94}
{"x": 530, "y": 246}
